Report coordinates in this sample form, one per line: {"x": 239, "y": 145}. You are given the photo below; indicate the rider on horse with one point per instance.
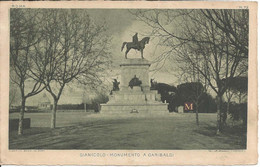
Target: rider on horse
{"x": 135, "y": 44}
{"x": 135, "y": 40}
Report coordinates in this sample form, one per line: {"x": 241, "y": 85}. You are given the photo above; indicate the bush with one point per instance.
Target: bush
{"x": 185, "y": 92}
{"x": 207, "y": 104}
{"x": 100, "y": 99}
{"x": 238, "y": 112}
{"x": 71, "y": 107}
{"x": 96, "y": 106}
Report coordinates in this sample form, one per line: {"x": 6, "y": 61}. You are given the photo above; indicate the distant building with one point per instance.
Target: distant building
{"x": 44, "y": 103}
{"x": 71, "y": 95}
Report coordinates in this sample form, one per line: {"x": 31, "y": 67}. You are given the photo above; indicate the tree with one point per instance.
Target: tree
{"x": 195, "y": 84}
{"x": 233, "y": 23}
{"x": 229, "y": 94}
{"x": 216, "y": 49}
{"x": 23, "y": 35}
{"x": 192, "y": 92}
{"x": 214, "y": 42}
{"x": 237, "y": 86}
{"x": 12, "y": 93}
{"x": 207, "y": 104}
{"x": 75, "y": 48}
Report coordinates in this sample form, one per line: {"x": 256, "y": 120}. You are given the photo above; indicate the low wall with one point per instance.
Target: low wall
{"x": 14, "y": 123}
{"x": 74, "y": 110}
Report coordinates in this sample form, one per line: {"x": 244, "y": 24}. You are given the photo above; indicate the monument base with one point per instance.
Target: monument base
{"x": 137, "y": 98}
{"x": 161, "y": 108}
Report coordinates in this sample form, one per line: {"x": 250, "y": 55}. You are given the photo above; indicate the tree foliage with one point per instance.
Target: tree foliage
{"x": 24, "y": 34}
{"x": 75, "y": 48}
{"x": 188, "y": 91}
{"x": 237, "y": 84}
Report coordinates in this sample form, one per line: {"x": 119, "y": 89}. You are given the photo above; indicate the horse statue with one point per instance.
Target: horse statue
{"x": 137, "y": 45}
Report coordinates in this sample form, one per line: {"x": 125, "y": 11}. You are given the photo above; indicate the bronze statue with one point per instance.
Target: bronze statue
{"x": 135, "y": 82}
{"x": 135, "y": 44}
{"x": 116, "y": 85}
{"x": 135, "y": 38}
{"x": 153, "y": 83}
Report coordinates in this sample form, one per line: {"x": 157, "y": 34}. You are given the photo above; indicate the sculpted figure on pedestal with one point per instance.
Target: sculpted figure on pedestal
{"x": 116, "y": 85}
{"x": 135, "y": 82}
{"x": 135, "y": 44}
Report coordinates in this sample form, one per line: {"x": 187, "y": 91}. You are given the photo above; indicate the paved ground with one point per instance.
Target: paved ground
{"x": 134, "y": 131}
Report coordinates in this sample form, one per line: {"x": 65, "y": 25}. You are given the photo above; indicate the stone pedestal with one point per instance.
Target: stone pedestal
{"x": 130, "y": 68}
{"x": 139, "y": 99}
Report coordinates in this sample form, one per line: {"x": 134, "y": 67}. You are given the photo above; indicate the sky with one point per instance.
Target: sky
{"x": 122, "y": 25}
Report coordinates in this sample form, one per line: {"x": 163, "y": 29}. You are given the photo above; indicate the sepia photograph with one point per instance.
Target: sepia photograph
{"x": 135, "y": 79}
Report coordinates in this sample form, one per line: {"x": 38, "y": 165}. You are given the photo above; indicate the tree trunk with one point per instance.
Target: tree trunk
{"x": 219, "y": 121}
{"x": 85, "y": 107}
{"x": 197, "y": 113}
{"x": 53, "y": 116}
{"x": 224, "y": 118}
{"x": 20, "y": 127}
{"x": 225, "y": 114}
{"x": 239, "y": 98}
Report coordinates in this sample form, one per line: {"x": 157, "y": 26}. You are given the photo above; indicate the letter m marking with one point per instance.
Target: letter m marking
{"x": 188, "y": 106}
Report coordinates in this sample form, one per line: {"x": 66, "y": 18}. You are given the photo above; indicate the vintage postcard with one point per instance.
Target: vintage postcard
{"x": 128, "y": 83}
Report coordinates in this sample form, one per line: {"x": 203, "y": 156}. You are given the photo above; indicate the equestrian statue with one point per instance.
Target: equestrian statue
{"x": 135, "y": 44}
